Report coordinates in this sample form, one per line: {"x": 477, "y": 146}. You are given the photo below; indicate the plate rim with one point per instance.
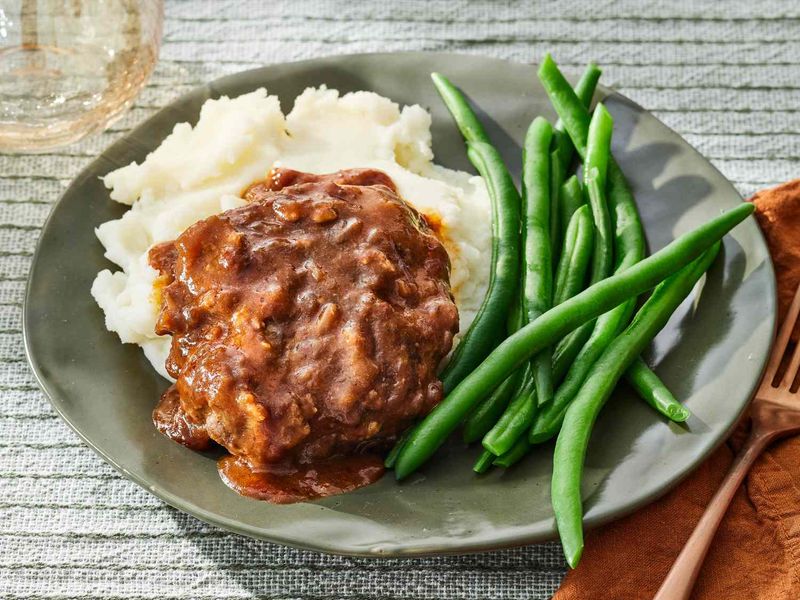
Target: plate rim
{"x": 231, "y": 525}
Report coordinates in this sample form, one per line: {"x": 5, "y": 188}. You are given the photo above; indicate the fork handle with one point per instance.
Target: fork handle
{"x": 681, "y": 578}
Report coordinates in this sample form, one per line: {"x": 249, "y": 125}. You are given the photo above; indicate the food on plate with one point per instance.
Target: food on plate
{"x": 306, "y": 319}
{"x": 383, "y": 288}
{"x": 430, "y": 434}
{"x": 306, "y": 325}
{"x": 604, "y": 309}
{"x": 203, "y": 170}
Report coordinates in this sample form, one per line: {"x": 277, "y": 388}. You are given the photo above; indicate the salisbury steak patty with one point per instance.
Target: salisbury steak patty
{"x": 307, "y": 324}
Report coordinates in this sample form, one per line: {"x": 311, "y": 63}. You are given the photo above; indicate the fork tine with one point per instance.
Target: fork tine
{"x": 783, "y": 339}
{"x": 791, "y": 370}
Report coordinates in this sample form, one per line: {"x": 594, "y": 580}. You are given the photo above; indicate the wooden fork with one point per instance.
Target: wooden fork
{"x": 775, "y": 413}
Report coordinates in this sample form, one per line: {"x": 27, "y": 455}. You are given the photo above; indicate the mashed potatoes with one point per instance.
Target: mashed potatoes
{"x": 202, "y": 170}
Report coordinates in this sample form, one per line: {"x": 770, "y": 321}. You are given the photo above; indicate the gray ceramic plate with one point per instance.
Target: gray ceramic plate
{"x": 711, "y": 354}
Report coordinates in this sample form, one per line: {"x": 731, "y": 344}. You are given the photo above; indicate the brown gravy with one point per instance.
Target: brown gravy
{"x": 306, "y": 328}
{"x": 295, "y": 483}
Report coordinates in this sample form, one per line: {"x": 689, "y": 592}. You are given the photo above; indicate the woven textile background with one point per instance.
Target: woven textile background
{"x": 726, "y": 75}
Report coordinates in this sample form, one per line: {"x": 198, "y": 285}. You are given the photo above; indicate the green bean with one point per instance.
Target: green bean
{"x": 629, "y": 242}
{"x": 648, "y": 385}
{"x": 643, "y": 380}
{"x": 570, "y": 199}
{"x": 570, "y": 345}
{"x": 567, "y": 103}
{"x": 514, "y": 422}
{"x": 391, "y": 458}
{"x": 520, "y": 448}
{"x": 584, "y": 91}
{"x": 575, "y": 257}
{"x": 568, "y": 348}
{"x": 484, "y": 462}
{"x": 488, "y": 326}
{"x": 598, "y": 147}
{"x": 486, "y": 329}
{"x": 645, "y": 383}
{"x": 587, "y": 84}
{"x": 569, "y": 107}
{"x": 573, "y": 439}
{"x": 537, "y": 271}
{"x": 562, "y": 156}
{"x": 570, "y": 280}
{"x": 595, "y": 170}
{"x": 515, "y": 318}
{"x": 428, "y": 435}
{"x": 557, "y": 175}
{"x": 465, "y": 118}
{"x": 629, "y": 247}
{"x": 487, "y": 413}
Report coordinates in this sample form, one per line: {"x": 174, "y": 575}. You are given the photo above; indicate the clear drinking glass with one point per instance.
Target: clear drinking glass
{"x": 71, "y": 67}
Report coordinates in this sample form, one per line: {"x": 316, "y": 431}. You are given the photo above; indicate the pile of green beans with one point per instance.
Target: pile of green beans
{"x": 556, "y": 330}
{"x": 429, "y": 434}
{"x": 537, "y": 277}
{"x": 629, "y": 248}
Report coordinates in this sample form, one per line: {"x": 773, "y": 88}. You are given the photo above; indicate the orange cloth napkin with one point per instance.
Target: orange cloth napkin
{"x": 756, "y": 553}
